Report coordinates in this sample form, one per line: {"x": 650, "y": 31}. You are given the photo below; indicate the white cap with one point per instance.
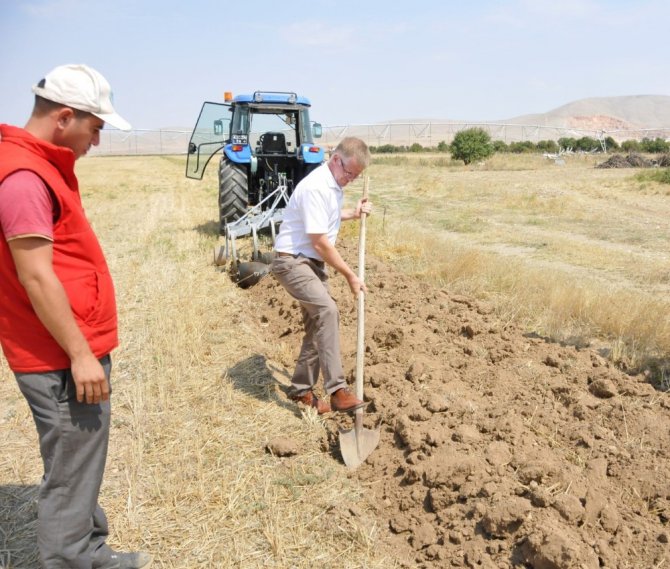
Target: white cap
{"x": 82, "y": 88}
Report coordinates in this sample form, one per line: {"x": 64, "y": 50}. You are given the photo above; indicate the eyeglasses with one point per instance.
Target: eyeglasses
{"x": 348, "y": 174}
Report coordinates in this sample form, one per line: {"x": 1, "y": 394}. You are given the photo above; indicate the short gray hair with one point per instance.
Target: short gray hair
{"x": 352, "y": 147}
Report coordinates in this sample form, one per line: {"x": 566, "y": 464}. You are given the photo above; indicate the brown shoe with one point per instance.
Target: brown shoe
{"x": 312, "y": 400}
{"x": 345, "y": 400}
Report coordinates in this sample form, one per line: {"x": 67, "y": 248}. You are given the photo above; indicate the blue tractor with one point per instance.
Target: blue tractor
{"x": 268, "y": 146}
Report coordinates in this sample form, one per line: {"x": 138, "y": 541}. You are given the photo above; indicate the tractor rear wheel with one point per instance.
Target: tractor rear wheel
{"x": 233, "y": 192}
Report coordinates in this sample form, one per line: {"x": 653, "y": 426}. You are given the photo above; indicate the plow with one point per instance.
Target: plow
{"x": 262, "y": 218}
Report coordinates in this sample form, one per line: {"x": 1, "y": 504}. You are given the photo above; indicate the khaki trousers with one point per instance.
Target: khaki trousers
{"x": 307, "y": 281}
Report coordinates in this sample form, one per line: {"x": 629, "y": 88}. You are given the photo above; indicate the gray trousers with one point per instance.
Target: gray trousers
{"x": 307, "y": 282}
{"x": 71, "y": 526}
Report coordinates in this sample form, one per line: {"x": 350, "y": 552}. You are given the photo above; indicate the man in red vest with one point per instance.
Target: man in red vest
{"x": 58, "y": 322}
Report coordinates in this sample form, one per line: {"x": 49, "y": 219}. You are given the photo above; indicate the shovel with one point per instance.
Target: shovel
{"x": 356, "y": 444}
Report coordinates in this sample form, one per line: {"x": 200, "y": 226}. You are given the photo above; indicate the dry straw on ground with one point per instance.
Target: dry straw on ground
{"x": 573, "y": 252}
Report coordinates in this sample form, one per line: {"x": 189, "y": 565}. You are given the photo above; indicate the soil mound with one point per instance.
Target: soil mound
{"x": 631, "y": 161}
{"x": 499, "y": 448}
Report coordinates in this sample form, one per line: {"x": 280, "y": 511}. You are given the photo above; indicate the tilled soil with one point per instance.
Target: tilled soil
{"x": 498, "y": 448}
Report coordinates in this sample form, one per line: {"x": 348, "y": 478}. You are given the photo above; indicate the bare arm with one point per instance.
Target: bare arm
{"x": 332, "y": 256}
{"x": 33, "y": 257}
{"x": 363, "y": 206}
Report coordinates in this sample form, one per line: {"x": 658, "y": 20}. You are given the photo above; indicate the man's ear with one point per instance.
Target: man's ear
{"x": 64, "y": 116}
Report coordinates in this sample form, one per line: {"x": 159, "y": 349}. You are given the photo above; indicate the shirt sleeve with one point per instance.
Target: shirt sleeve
{"x": 26, "y": 206}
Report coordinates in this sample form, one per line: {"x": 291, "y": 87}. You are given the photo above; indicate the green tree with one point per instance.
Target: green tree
{"x": 656, "y": 146}
{"x": 587, "y": 144}
{"x": 630, "y": 146}
{"x": 386, "y": 149}
{"x": 442, "y": 146}
{"x": 547, "y": 146}
{"x": 567, "y": 142}
{"x": 500, "y": 146}
{"x": 611, "y": 144}
{"x": 471, "y": 144}
{"x": 522, "y": 147}
{"x": 416, "y": 147}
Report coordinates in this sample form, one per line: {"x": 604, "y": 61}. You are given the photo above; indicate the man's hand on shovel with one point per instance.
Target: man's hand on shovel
{"x": 363, "y": 209}
{"x": 364, "y": 206}
{"x": 356, "y": 285}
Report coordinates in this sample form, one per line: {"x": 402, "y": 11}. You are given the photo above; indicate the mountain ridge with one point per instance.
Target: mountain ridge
{"x": 608, "y": 113}
{"x": 625, "y": 112}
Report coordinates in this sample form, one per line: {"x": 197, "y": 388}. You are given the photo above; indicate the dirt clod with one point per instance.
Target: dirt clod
{"x": 282, "y": 446}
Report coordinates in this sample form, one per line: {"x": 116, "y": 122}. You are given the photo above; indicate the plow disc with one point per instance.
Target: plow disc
{"x": 251, "y": 224}
{"x": 249, "y": 273}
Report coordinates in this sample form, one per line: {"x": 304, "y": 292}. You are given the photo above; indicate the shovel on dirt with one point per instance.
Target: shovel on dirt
{"x": 358, "y": 443}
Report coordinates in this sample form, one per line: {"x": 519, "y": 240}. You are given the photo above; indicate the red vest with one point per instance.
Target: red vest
{"x": 78, "y": 262}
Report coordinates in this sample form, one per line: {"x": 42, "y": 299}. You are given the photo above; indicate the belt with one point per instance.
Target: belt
{"x": 318, "y": 263}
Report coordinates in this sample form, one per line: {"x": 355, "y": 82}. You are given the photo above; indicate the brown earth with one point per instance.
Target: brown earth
{"x": 498, "y": 448}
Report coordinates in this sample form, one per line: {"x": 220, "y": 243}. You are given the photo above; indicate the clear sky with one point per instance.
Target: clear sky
{"x": 358, "y": 62}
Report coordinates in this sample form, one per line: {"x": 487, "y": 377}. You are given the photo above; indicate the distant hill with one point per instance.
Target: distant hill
{"x": 605, "y": 113}
{"x": 623, "y": 118}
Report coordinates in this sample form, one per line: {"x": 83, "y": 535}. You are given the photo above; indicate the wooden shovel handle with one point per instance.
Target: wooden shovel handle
{"x": 360, "y": 343}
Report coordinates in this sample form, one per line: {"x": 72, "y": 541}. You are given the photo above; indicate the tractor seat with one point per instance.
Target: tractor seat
{"x": 273, "y": 143}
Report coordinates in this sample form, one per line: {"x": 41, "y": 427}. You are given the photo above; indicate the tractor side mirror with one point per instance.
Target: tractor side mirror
{"x": 317, "y": 130}
{"x": 218, "y": 127}
{"x": 192, "y": 148}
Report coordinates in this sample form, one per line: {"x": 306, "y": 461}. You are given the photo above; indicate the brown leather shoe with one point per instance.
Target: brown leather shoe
{"x": 345, "y": 400}
{"x": 312, "y": 400}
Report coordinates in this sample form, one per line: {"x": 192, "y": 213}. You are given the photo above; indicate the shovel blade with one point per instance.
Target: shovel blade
{"x": 357, "y": 444}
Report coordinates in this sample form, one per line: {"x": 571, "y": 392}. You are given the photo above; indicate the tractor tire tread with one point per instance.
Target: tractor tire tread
{"x": 233, "y": 192}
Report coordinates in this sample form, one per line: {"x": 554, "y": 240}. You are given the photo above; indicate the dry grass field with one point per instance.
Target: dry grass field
{"x": 575, "y": 253}
{"x": 569, "y": 252}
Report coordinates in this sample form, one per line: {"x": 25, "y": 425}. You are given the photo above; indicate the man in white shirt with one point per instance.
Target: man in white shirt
{"x": 305, "y": 244}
